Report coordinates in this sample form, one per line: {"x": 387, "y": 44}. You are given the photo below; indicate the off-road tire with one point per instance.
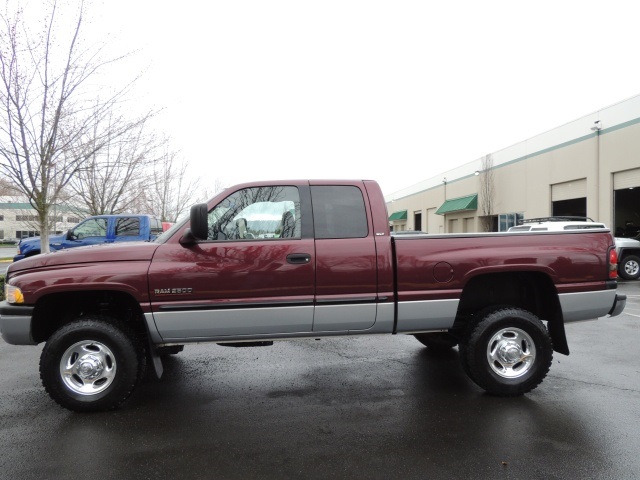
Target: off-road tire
{"x": 98, "y": 346}
{"x": 508, "y": 352}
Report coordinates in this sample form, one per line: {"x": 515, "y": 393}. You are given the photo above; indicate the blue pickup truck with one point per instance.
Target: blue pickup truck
{"x": 97, "y": 230}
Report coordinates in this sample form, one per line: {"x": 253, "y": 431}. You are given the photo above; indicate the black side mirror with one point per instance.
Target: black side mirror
{"x": 199, "y": 225}
{"x": 70, "y": 235}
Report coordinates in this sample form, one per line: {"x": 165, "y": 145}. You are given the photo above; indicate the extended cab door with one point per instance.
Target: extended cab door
{"x": 254, "y": 275}
{"x": 346, "y": 270}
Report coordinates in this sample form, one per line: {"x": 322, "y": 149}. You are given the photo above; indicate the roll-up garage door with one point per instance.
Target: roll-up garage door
{"x": 626, "y": 179}
{"x": 569, "y": 190}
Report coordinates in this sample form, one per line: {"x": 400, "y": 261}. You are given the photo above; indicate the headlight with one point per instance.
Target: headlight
{"x": 13, "y": 294}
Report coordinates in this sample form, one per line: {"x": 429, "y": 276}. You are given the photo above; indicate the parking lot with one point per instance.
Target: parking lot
{"x": 367, "y": 407}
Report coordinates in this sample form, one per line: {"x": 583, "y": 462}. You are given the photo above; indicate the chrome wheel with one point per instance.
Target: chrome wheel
{"x": 631, "y": 268}
{"x": 88, "y": 367}
{"x": 511, "y": 352}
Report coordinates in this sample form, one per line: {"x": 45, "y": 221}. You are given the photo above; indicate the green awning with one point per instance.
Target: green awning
{"x": 401, "y": 215}
{"x": 470, "y": 202}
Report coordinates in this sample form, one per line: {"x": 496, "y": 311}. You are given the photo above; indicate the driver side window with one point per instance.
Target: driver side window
{"x": 93, "y": 227}
{"x": 257, "y": 213}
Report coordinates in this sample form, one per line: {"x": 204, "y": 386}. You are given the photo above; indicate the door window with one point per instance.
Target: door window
{"x": 258, "y": 213}
{"x": 128, "y": 227}
{"x": 93, "y": 227}
{"x": 338, "y": 212}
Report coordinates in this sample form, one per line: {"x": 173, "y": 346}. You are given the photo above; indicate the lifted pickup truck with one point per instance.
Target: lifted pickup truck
{"x": 304, "y": 259}
{"x": 97, "y": 230}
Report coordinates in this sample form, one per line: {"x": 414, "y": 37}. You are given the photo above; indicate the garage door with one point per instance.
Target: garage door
{"x": 569, "y": 190}
{"x": 626, "y": 179}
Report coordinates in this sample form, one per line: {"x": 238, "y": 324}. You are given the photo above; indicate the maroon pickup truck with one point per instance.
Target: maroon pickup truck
{"x": 304, "y": 259}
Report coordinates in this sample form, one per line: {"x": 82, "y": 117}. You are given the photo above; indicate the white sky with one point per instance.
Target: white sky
{"x": 395, "y": 91}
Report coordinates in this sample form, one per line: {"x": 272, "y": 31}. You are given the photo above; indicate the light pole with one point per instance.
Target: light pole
{"x": 597, "y": 126}
{"x": 444, "y": 215}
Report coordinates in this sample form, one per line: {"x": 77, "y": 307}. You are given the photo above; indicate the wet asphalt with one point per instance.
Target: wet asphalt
{"x": 363, "y": 407}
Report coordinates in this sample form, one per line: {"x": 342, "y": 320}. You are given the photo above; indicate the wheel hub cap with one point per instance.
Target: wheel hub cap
{"x": 90, "y": 367}
{"x": 511, "y": 353}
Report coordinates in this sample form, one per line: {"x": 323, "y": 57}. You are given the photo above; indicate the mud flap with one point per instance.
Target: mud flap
{"x": 558, "y": 336}
{"x": 155, "y": 360}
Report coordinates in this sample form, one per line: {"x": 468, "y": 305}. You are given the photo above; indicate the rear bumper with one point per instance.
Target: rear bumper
{"x": 15, "y": 324}
{"x": 618, "y": 305}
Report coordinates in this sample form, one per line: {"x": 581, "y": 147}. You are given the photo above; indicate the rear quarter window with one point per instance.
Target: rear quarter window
{"x": 128, "y": 227}
{"x": 338, "y": 212}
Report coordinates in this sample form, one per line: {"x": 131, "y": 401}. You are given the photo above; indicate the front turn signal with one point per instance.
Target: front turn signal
{"x": 13, "y": 294}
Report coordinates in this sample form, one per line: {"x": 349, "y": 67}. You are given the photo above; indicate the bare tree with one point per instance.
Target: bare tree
{"x": 105, "y": 183}
{"x": 210, "y": 190}
{"x": 487, "y": 193}
{"x": 171, "y": 191}
{"x": 49, "y": 126}
{"x": 7, "y": 189}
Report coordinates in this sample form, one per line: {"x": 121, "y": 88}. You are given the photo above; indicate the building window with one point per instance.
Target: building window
{"x": 26, "y": 234}
{"x": 1, "y": 218}
{"x": 56, "y": 219}
{"x": 1, "y": 234}
{"x": 508, "y": 220}
{"x": 72, "y": 220}
{"x": 26, "y": 218}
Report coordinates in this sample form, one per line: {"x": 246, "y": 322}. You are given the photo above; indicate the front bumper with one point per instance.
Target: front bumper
{"x": 618, "y": 305}
{"x": 15, "y": 324}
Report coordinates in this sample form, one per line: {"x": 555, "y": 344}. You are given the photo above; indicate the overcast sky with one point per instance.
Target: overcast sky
{"x": 395, "y": 91}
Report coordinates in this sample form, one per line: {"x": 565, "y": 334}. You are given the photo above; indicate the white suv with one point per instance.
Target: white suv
{"x": 557, "y": 224}
{"x": 628, "y": 250}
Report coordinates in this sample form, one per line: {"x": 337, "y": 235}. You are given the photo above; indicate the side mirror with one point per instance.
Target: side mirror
{"x": 70, "y": 235}
{"x": 199, "y": 225}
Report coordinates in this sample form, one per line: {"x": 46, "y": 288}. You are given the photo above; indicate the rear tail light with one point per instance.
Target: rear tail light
{"x": 613, "y": 264}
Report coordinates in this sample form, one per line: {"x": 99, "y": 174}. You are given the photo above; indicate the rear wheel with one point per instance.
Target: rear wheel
{"x": 508, "y": 352}
{"x": 92, "y": 364}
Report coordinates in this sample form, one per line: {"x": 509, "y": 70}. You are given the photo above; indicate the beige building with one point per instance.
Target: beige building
{"x": 588, "y": 167}
{"x": 18, "y": 220}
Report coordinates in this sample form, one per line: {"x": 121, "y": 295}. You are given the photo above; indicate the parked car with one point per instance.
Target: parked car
{"x": 628, "y": 257}
{"x": 556, "y": 224}
{"x": 96, "y": 230}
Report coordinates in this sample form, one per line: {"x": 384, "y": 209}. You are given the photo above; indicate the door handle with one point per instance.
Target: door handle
{"x": 298, "y": 258}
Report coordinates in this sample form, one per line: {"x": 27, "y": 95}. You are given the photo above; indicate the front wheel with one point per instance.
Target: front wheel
{"x": 508, "y": 353}
{"x": 630, "y": 267}
{"x": 91, "y": 364}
